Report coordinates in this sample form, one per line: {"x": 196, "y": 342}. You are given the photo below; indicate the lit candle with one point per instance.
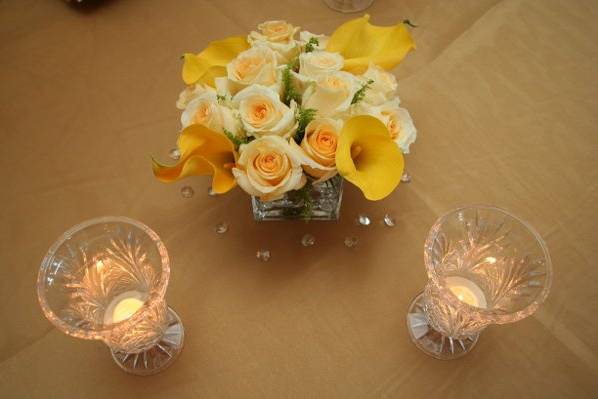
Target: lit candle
{"x": 467, "y": 291}
{"x": 123, "y": 306}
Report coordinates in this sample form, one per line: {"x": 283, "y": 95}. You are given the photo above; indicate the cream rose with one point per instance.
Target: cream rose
{"x": 318, "y": 63}
{"x": 383, "y": 87}
{"x": 278, "y": 36}
{"x": 257, "y": 65}
{"x": 268, "y": 167}
{"x": 304, "y": 37}
{"x": 192, "y": 92}
{"x": 205, "y": 110}
{"x": 331, "y": 94}
{"x": 399, "y": 124}
{"x": 263, "y": 114}
{"x": 318, "y": 148}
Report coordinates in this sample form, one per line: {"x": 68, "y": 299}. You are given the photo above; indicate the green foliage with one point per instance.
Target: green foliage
{"x": 304, "y": 116}
{"x": 289, "y": 91}
{"x": 220, "y": 99}
{"x": 311, "y": 45}
{"x": 307, "y": 200}
{"x": 360, "y": 94}
{"x": 237, "y": 141}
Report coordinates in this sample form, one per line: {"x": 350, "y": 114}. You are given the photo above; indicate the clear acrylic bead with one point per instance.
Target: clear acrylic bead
{"x": 187, "y": 191}
{"x": 389, "y": 220}
{"x": 350, "y": 242}
{"x": 263, "y": 255}
{"x": 222, "y": 228}
{"x": 308, "y": 240}
{"x": 364, "y": 220}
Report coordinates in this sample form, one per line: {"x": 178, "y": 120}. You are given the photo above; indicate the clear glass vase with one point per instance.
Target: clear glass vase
{"x": 485, "y": 266}
{"x": 321, "y": 201}
{"x": 105, "y": 279}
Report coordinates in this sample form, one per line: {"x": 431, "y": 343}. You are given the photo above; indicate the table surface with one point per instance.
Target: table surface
{"x": 504, "y": 96}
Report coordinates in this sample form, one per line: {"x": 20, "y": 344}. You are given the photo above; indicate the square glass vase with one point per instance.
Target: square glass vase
{"x": 321, "y": 201}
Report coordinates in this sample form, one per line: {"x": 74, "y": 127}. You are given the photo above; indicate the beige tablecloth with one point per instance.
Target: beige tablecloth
{"x": 505, "y": 98}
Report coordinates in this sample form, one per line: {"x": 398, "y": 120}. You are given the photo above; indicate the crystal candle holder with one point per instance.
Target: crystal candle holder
{"x": 105, "y": 279}
{"x": 485, "y": 266}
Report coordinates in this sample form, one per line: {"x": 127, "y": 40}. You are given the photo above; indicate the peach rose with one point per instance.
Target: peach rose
{"x": 254, "y": 66}
{"x": 278, "y": 36}
{"x": 383, "y": 88}
{"x": 268, "y": 167}
{"x": 399, "y": 124}
{"x": 331, "y": 94}
{"x": 190, "y": 93}
{"x": 304, "y": 37}
{"x": 318, "y": 63}
{"x": 205, "y": 110}
{"x": 262, "y": 113}
{"x": 318, "y": 148}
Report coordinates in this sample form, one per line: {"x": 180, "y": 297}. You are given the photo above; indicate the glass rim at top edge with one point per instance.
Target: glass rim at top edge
{"x": 151, "y": 301}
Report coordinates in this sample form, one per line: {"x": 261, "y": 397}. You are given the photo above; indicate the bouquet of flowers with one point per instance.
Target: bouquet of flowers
{"x": 284, "y": 108}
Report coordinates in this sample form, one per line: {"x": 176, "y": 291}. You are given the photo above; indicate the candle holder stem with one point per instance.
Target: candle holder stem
{"x": 158, "y": 356}
{"x": 431, "y": 341}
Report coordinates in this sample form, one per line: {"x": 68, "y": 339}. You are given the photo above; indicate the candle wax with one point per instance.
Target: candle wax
{"x": 467, "y": 291}
{"x": 123, "y": 306}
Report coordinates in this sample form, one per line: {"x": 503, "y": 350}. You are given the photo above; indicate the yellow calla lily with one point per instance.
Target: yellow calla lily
{"x": 211, "y": 62}
{"x": 203, "y": 152}
{"x": 361, "y": 42}
{"x": 367, "y": 156}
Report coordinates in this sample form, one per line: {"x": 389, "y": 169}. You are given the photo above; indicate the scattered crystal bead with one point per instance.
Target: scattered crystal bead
{"x": 263, "y": 255}
{"x": 389, "y": 220}
{"x": 174, "y": 154}
{"x": 308, "y": 240}
{"x": 187, "y": 191}
{"x": 222, "y": 228}
{"x": 405, "y": 177}
{"x": 363, "y": 220}
{"x": 350, "y": 242}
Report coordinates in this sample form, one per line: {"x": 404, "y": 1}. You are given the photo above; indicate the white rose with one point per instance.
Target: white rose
{"x": 257, "y": 65}
{"x": 262, "y": 113}
{"x": 318, "y": 63}
{"x": 268, "y": 167}
{"x": 304, "y": 37}
{"x": 205, "y": 110}
{"x": 278, "y": 36}
{"x": 318, "y": 148}
{"x": 383, "y": 87}
{"x": 190, "y": 93}
{"x": 331, "y": 94}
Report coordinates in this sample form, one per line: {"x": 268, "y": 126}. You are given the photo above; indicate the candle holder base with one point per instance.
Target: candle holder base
{"x": 432, "y": 342}
{"x": 159, "y": 356}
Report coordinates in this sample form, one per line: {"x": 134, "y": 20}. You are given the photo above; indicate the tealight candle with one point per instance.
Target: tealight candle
{"x": 123, "y": 306}
{"x": 467, "y": 291}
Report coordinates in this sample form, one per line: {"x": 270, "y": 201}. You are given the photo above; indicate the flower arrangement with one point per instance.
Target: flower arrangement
{"x": 273, "y": 112}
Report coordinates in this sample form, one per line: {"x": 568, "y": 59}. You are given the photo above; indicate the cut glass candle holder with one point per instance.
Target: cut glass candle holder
{"x": 105, "y": 279}
{"x": 485, "y": 266}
